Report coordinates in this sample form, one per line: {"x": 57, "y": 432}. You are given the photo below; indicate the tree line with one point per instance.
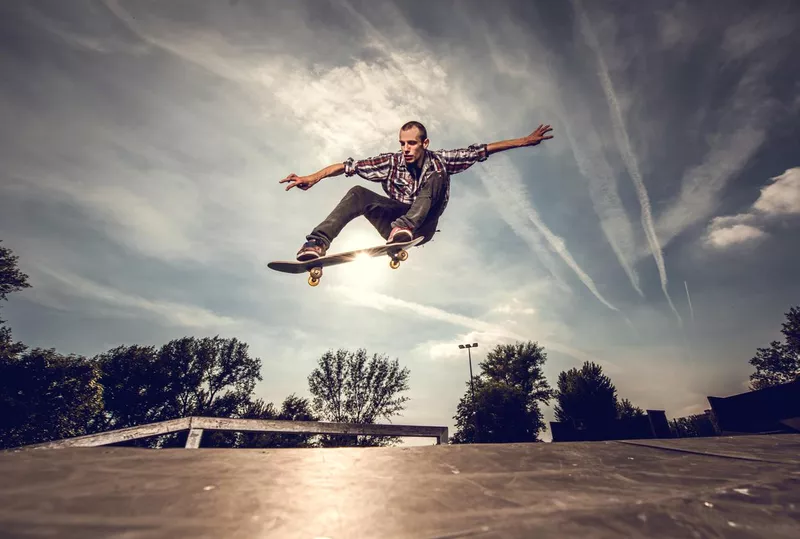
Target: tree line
{"x": 46, "y": 395}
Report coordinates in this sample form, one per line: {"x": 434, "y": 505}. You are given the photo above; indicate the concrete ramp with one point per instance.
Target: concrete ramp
{"x": 744, "y": 486}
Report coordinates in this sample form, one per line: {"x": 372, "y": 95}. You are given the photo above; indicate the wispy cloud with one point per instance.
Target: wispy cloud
{"x": 744, "y": 122}
{"x": 489, "y": 332}
{"x": 58, "y": 289}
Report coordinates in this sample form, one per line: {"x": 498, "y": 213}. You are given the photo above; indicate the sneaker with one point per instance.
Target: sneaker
{"x": 311, "y": 250}
{"x": 400, "y": 234}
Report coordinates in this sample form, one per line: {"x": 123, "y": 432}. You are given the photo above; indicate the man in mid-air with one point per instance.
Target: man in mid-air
{"x": 416, "y": 180}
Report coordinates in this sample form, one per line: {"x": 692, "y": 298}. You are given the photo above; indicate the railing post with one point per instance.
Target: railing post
{"x": 193, "y": 440}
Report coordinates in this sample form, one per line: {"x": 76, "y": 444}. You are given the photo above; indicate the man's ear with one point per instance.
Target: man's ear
{"x": 425, "y": 143}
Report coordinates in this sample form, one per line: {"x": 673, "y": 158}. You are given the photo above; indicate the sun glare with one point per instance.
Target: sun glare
{"x": 364, "y": 272}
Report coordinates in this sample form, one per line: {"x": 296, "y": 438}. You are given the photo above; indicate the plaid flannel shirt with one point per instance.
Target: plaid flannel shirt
{"x": 390, "y": 169}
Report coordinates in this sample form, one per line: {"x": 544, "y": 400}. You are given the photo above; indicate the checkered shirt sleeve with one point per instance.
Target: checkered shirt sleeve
{"x": 461, "y": 159}
{"x": 374, "y": 169}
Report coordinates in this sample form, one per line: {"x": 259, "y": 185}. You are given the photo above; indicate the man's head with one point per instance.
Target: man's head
{"x": 413, "y": 142}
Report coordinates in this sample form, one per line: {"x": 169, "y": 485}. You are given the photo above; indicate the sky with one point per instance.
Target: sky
{"x": 142, "y": 145}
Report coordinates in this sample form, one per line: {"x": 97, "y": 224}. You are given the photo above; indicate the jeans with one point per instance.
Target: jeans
{"x": 384, "y": 213}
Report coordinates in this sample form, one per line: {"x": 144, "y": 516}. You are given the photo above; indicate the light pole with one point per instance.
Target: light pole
{"x": 472, "y": 385}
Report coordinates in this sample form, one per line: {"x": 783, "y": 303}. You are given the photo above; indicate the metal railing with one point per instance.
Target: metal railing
{"x": 196, "y": 426}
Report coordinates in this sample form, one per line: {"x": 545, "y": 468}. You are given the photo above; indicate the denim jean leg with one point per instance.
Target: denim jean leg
{"x": 356, "y": 202}
{"x": 382, "y": 215}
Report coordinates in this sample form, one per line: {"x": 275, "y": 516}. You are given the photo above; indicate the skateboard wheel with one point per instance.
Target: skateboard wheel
{"x": 394, "y": 263}
{"x": 313, "y": 281}
{"x": 403, "y": 255}
{"x": 316, "y": 272}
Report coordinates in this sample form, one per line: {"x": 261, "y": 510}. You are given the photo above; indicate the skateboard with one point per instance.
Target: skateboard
{"x": 397, "y": 252}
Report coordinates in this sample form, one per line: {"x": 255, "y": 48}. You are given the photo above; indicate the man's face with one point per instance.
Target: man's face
{"x": 413, "y": 148}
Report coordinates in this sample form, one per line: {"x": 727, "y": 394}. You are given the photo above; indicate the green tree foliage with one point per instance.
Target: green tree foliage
{"x": 520, "y": 366}
{"x": 586, "y": 397}
{"x": 350, "y": 387}
{"x": 509, "y": 390}
{"x": 693, "y": 426}
{"x": 626, "y": 410}
{"x": 188, "y": 376}
{"x": 780, "y": 362}
{"x": 135, "y": 388}
{"x": 208, "y": 376}
{"x": 45, "y": 396}
{"x": 11, "y": 278}
{"x": 294, "y": 408}
{"x": 502, "y": 415}
{"x": 8, "y": 348}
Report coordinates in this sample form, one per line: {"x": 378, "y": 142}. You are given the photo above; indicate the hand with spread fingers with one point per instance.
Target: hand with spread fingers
{"x": 301, "y": 182}
{"x": 538, "y": 135}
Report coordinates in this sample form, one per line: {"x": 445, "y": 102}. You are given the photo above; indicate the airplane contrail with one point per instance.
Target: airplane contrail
{"x": 689, "y": 298}
{"x": 605, "y": 199}
{"x": 514, "y": 203}
{"x": 623, "y": 141}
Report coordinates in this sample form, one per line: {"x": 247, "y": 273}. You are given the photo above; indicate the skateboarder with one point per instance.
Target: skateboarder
{"x": 416, "y": 180}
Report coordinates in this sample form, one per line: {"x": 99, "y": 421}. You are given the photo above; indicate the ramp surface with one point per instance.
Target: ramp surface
{"x": 746, "y": 486}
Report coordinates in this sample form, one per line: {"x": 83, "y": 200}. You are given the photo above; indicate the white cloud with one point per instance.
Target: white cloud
{"x": 782, "y": 196}
{"x": 778, "y": 199}
{"x": 733, "y": 235}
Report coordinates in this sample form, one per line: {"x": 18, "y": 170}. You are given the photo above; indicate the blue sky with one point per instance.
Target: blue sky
{"x": 142, "y": 144}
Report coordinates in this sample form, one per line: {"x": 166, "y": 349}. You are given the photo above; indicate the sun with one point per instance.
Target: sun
{"x": 364, "y": 272}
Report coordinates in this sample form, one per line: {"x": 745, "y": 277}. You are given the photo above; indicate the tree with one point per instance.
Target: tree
{"x": 698, "y": 425}
{"x": 47, "y": 396}
{"x": 294, "y": 408}
{"x": 503, "y": 415}
{"x": 11, "y": 278}
{"x": 626, "y": 410}
{"x": 8, "y": 348}
{"x": 208, "y": 376}
{"x": 349, "y": 387}
{"x": 519, "y": 365}
{"x": 135, "y": 388}
{"x": 780, "y": 362}
{"x": 185, "y": 377}
{"x": 508, "y": 392}
{"x": 586, "y": 398}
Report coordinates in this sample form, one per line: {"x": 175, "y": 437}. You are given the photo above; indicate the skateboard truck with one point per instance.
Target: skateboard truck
{"x": 314, "y": 275}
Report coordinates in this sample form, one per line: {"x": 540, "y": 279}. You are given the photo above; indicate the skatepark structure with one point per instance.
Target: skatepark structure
{"x": 737, "y": 486}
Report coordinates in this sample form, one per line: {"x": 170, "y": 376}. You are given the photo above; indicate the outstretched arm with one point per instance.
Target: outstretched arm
{"x": 460, "y": 160}
{"x": 374, "y": 169}
{"x": 305, "y": 182}
{"x": 531, "y": 140}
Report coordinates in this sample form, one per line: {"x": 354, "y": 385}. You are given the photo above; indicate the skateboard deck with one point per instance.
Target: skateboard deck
{"x": 397, "y": 252}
